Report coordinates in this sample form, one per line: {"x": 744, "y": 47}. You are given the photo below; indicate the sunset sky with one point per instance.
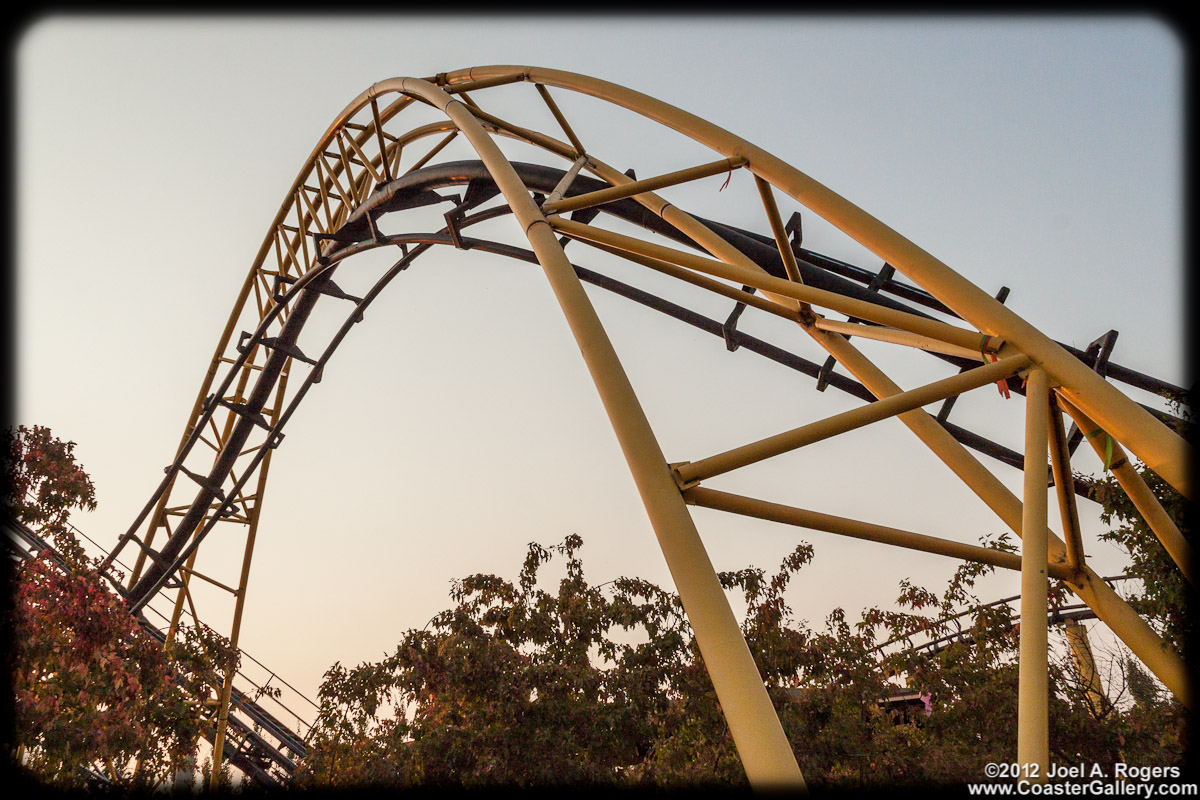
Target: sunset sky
{"x": 459, "y": 423}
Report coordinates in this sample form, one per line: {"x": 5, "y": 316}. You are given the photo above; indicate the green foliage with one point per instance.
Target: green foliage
{"x": 503, "y": 689}
{"x": 517, "y": 686}
{"x": 1164, "y": 595}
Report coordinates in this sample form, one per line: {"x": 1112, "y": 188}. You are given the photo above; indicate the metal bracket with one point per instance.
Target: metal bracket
{"x": 327, "y": 286}
{"x": 1100, "y": 350}
{"x": 826, "y": 370}
{"x": 283, "y": 347}
{"x": 276, "y": 294}
{"x": 243, "y": 411}
{"x": 729, "y": 329}
{"x": 454, "y": 218}
{"x": 883, "y": 276}
{"x": 795, "y": 229}
{"x": 241, "y": 343}
{"x": 679, "y": 481}
{"x": 944, "y": 413}
{"x": 203, "y": 482}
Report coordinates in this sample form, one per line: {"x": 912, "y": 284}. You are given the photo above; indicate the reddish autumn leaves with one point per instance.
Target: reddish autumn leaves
{"x": 92, "y": 690}
{"x": 43, "y": 483}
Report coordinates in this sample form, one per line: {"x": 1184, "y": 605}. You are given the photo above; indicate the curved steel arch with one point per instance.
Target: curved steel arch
{"x": 355, "y": 168}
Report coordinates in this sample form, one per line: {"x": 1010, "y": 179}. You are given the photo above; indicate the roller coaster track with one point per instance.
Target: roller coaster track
{"x": 374, "y": 161}
{"x": 945, "y": 631}
{"x": 263, "y": 747}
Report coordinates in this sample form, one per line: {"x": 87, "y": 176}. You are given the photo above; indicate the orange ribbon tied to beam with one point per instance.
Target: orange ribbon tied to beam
{"x": 1002, "y": 384}
{"x": 728, "y": 178}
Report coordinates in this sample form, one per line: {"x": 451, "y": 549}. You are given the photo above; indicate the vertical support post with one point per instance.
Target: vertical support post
{"x": 1081, "y": 651}
{"x": 1033, "y": 727}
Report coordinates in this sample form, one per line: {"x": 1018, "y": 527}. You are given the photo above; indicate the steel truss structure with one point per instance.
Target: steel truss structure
{"x": 259, "y": 374}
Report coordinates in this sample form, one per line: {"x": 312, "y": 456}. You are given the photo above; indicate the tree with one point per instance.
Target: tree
{"x": 503, "y": 689}
{"x": 604, "y": 685}
{"x": 92, "y": 690}
{"x": 43, "y": 483}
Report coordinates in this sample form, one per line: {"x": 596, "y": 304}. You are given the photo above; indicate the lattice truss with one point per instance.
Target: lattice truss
{"x": 381, "y": 156}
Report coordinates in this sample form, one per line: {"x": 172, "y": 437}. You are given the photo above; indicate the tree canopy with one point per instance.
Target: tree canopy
{"x": 519, "y": 686}
{"x": 93, "y": 693}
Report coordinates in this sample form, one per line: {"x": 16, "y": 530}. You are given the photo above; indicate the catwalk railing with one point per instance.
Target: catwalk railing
{"x": 268, "y": 733}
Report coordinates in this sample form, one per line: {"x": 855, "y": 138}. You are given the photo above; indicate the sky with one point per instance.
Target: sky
{"x": 1044, "y": 154}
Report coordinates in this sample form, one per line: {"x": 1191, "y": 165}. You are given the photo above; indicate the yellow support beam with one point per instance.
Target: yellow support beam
{"x": 857, "y": 529}
{"x": 602, "y": 196}
{"x": 759, "y": 279}
{"x": 1033, "y": 722}
{"x": 757, "y": 734}
{"x": 1156, "y": 517}
{"x": 849, "y": 420}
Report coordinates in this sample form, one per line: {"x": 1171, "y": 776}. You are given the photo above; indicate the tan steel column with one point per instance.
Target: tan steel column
{"x": 1033, "y": 727}
{"x": 761, "y": 744}
{"x": 1081, "y": 652}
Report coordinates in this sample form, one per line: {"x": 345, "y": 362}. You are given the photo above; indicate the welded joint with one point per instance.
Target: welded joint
{"x": 1075, "y": 576}
{"x": 683, "y": 483}
{"x": 535, "y": 222}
